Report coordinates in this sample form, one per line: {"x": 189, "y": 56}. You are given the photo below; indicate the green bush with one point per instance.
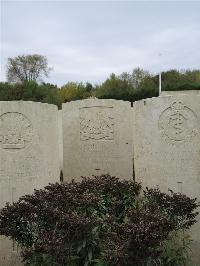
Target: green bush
{"x": 30, "y": 91}
{"x": 100, "y": 221}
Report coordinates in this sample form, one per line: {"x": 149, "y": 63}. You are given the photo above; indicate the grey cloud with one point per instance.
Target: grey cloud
{"x": 86, "y": 41}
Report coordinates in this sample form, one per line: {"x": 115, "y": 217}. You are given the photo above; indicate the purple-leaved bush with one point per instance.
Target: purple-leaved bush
{"x": 98, "y": 221}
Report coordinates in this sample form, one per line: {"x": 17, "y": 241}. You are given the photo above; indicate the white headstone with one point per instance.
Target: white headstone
{"x": 167, "y": 146}
{"x": 177, "y": 93}
{"x": 97, "y": 138}
{"x": 60, "y": 139}
{"x": 29, "y": 157}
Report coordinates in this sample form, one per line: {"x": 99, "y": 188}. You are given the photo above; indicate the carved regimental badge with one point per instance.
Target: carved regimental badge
{"x": 96, "y": 124}
{"x": 178, "y": 123}
{"x": 15, "y": 131}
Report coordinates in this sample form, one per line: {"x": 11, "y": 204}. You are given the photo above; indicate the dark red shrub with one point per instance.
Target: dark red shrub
{"x": 98, "y": 221}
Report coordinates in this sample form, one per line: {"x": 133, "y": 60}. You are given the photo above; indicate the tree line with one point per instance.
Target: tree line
{"x": 24, "y": 82}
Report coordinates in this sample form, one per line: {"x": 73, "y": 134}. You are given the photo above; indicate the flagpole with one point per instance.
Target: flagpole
{"x": 160, "y": 76}
{"x": 160, "y": 83}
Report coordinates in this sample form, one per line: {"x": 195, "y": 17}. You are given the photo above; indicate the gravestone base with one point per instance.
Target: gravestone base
{"x": 9, "y": 253}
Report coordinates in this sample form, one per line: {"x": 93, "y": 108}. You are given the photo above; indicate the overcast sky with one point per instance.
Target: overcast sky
{"x": 87, "y": 41}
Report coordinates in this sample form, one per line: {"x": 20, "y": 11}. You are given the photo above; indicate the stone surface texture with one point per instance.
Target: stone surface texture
{"x": 29, "y": 156}
{"x": 97, "y": 139}
{"x": 177, "y": 93}
{"x": 60, "y": 131}
{"x": 167, "y": 147}
{"x": 157, "y": 140}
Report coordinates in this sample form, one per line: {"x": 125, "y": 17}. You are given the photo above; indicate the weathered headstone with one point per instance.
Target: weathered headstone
{"x": 177, "y": 93}
{"x": 167, "y": 147}
{"x": 97, "y": 139}
{"x": 29, "y": 157}
{"x": 60, "y": 132}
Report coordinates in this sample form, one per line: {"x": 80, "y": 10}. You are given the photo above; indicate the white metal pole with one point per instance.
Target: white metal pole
{"x": 160, "y": 83}
{"x": 160, "y": 76}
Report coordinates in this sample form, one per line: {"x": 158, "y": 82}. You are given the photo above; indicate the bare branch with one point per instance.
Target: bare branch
{"x": 27, "y": 67}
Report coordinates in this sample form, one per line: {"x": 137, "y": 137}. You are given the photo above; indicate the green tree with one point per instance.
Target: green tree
{"x": 136, "y": 77}
{"x": 180, "y": 80}
{"x": 113, "y": 88}
{"x": 30, "y": 91}
{"x": 128, "y": 87}
{"x": 10, "y": 92}
{"x": 75, "y": 91}
{"x": 24, "y": 68}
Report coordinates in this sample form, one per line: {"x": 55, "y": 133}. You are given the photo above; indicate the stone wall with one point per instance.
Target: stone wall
{"x": 28, "y": 155}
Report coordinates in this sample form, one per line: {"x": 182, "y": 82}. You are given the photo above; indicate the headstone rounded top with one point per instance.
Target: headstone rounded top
{"x": 93, "y": 101}
{"x": 29, "y": 103}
